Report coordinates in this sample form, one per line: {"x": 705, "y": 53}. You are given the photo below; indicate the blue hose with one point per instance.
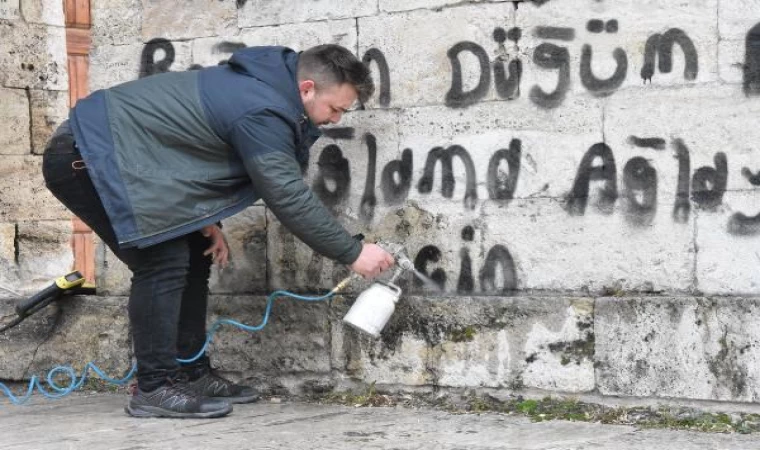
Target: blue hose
{"x": 55, "y": 390}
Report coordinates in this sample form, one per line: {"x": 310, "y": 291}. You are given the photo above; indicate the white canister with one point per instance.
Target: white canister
{"x": 373, "y": 308}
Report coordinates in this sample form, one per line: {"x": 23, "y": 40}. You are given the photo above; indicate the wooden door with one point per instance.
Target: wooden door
{"x": 78, "y": 41}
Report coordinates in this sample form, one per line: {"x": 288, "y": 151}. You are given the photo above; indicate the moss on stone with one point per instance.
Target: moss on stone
{"x": 549, "y": 408}
{"x": 465, "y": 334}
{"x": 575, "y": 351}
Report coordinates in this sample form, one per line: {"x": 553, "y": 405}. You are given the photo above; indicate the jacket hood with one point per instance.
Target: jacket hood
{"x": 277, "y": 67}
{"x": 274, "y": 66}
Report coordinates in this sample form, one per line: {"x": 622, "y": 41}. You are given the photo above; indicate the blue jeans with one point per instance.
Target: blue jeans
{"x": 169, "y": 294}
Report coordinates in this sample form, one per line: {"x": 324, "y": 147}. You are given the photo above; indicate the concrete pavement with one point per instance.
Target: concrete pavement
{"x": 96, "y": 422}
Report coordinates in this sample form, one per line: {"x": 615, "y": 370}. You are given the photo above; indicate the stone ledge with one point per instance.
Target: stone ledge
{"x": 73, "y": 331}
{"x": 689, "y": 348}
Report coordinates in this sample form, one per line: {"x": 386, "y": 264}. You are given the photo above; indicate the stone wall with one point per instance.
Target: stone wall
{"x": 35, "y": 229}
{"x": 579, "y": 178}
{"x": 593, "y": 147}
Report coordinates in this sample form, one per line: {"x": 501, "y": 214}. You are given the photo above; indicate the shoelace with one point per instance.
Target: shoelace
{"x": 177, "y": 382}
{"x": 181, "y": 384}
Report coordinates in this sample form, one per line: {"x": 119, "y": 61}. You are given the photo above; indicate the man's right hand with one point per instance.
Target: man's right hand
{"x": 372, "y": 261}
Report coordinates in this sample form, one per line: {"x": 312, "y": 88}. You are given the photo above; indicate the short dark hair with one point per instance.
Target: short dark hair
{"x": 331, "y": 64}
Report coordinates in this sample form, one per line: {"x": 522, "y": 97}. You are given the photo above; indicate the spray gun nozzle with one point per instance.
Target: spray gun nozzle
{"x": 404, "y": 262}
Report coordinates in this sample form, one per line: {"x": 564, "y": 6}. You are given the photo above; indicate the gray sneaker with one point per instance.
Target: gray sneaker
{"x": 176, "y": 399}
{"x": 213, "y": 386}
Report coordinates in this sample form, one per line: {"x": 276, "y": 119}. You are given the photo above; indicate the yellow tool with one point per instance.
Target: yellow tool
{"x": 71, "y": 283}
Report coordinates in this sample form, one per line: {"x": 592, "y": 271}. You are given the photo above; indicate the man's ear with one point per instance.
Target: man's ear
{"x": 306, "y": 87}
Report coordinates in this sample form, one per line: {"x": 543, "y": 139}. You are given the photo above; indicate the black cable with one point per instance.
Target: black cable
{"x": 12, "y": 324}
{"x": 29, "y": 312}
{"x": 42, "y": 299}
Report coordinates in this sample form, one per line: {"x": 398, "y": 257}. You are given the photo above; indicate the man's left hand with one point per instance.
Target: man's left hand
{"x": 219, "y": 251}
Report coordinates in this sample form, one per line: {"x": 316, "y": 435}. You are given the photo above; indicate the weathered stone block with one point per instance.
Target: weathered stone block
{"x": 162, "y": 19}
{"x": 595, "y": 252}
{"x": 404, "y": 360}
{"x": 477, "y": 358}
{"x": 499, "y": 342}
{"x": 296, "y": 339}
{"x": 256, "y": 14}
{"x": 23, "y": 195}
{"x": 33, "y": 56}
{"x": 14, "y": 114}
{"x": 579, "y": 116}
{"x": 88, "y": 329}
{"x": 211, "y": 51}
{"x": 116, "y": 64}
{"x": 292, "y": 265}
{"x": 305, "y": 35}
{"x": 731, "y": 59}
{"x": 19, "y": 344}
{"x": 696, "y": 348}
{"x": 706, "y": 121}
{"x": 112, "y": 276}
{"x": 8, "y": 268}
{"x": 736, "y": 21}
{"x": 112, "y": 65}
{"x": 728, "y": 260}
{"x": 561, "y": 358}
{"x": 737, "y": 49}
{"x": 49, "y": 109}
{"x": 422, "y": 74}
{"x": 407, "y": 365}
{"x": 709, "y": 152}
{"x": 602, "y": 46}
{"x": 546, "y": 148}
{"x": 246, "y": 235}
{"x": 44, "y": 251}
{"x": 7, "y": 242}
{"x": 38, "y": 11}
{"x": 10, "y": 10}
{"x": 736, "y": 18}
{"x": 116, "y": 22}
{"x": 71, "y": 331}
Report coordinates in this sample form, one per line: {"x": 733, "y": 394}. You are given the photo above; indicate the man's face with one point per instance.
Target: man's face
{"x": 327, "y": 104}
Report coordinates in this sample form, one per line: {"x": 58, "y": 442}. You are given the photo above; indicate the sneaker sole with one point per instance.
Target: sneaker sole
{"x": 155, "y": 412}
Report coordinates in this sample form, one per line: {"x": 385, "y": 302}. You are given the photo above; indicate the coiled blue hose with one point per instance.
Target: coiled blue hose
{"x": 55, "y": 390}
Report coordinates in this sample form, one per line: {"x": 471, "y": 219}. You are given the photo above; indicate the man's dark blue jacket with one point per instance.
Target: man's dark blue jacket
{"x": 172, "y": 153}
